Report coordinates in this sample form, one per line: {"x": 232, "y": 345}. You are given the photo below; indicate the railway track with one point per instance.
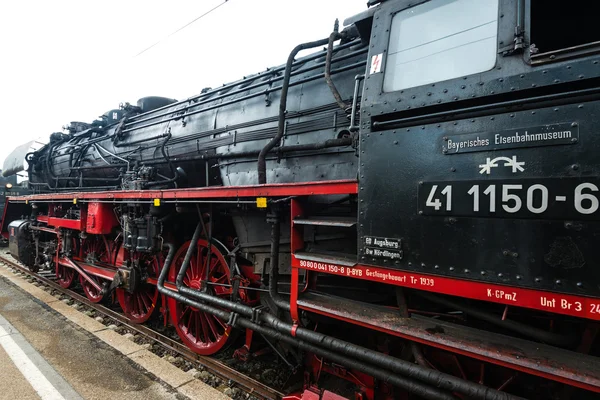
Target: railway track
{"x": 216, "y": 367}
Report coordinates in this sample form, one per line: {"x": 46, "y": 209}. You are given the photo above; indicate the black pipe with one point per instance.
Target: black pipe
{"x": 436, "y": 378}
{"x": 526, "y": 330}
{"x": 209, "y": 241}
{"x": 124, "y": 143}
{"x": 335, "y": 35}
{"x": 188, "y": 255}
{"x": 341, "y": 142}
{"x": 408, "y": 384}
{"x": 207, "y": 97}
{"x": 262, "y": 163}
{"x": 168, "y": 160}
{"x": 279, "y": 301}
{"x": 249, "y": 96}
{"x": 329, "y": 143}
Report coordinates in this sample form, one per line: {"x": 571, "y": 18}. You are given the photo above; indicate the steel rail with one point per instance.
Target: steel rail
{"x": 246, "y": 383}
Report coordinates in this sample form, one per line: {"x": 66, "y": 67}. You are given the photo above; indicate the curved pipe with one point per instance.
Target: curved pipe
{"x": 335, "y": 35}
{"x": 188, "y": 256}
{"x": 262, "y": 163}
{"x": 207, "y": 97}
{"x": 435, "y": 378}
{"x": 408, "y": 384}
{"x": 173, "y": 170}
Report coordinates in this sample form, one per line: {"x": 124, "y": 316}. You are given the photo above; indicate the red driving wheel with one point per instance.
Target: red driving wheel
{"x": 94, "y": 249}
{"x": 65, "y": 276}
{"x": 202, "y": 332}
{"x": 139, "y": 305}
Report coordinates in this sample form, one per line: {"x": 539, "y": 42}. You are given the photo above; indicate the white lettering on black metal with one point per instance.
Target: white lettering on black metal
{"x": 389, "y": 248}
{"x": 554, "y": 134}
{"x": 526, "y": 198}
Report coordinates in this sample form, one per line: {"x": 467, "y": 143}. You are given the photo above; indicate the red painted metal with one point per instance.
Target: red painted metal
{"x": 4, "y": 215}
{"x": 549, "y": 362}
{"x": 319, "y": 367}
{"x": 89, "y": 287}
{"x": 327, "y": 395}
{"x": 65, "y": 276}
{"x": 70, "y": 264}
{"x": 100, "y": 272}
{"x": 101, "y": 218}
{"x": 95, "y": 249}
{"x": 139, "y": 305}
{"x": 44, "y": 229}
{"x": 168, "y": 285}
{"x": 244, "y": 353}
{"x": 229, "y": 192}
{"x": 203, "y": 333}
{"x": 294, "y": 295}
{"x": 577, "y": 306}
{"x": 78, "y": 224}
{"x": 42, "y": 218}
{"x": 296, "y": 243}
{"x": 315, "y": 394}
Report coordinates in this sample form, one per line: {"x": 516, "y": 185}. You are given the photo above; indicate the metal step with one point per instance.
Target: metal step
{"x": 342, "y": 222}
{"x": 561, "y": 365}
{"x": 347, "y": 260}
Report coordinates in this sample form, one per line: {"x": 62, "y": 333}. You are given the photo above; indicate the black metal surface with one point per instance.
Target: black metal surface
{"x": 404, "y": 152}
{"x": 210, "y": 125}
{"x": 551, "y": 250}
{"x": 19, "y": 244}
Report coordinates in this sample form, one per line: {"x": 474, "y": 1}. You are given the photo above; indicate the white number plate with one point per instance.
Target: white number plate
{"x": 568, "y": 198}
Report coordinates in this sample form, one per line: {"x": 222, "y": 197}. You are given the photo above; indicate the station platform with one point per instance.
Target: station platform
{"x": 45, "y": 355}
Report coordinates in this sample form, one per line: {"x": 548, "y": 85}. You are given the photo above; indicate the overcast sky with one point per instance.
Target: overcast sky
{"x": 72, "y": 60}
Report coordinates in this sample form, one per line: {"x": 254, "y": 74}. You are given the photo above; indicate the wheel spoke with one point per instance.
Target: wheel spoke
{"x": 199, "y": 261}
{"x": 189, "y": 273}
{"x": 221, "y": 323}
{"x": 140, "y": 310}
{"x": 211, "y": 323}
{"x": 205, "y": 328}
{"x": 202, "y": 332}
{"x": 196, "y": 327}
{"x": 144, "y": 302}
{"x": 213, "y": 265}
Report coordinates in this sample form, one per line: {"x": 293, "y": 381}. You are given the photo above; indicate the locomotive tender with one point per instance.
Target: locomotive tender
{"x": 415, "y": 208}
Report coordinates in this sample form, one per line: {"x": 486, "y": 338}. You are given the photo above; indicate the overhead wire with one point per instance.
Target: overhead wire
{"x": 183, "y": 27}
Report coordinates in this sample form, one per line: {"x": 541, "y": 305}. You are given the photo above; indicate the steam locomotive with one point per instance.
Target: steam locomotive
{"x": 9, "y": 187}
{"x": 411, "y": 210}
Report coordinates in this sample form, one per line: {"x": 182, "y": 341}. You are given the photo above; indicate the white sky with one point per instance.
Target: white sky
{"x": 72, "y": 60}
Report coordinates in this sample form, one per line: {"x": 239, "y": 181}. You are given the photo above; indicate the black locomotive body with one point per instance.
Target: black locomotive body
{"x": 444, "y": 146}
{"x": 497, "y": 176}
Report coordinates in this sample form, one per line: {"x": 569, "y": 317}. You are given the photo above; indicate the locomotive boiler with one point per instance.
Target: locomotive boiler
{"x": 411, "y": 209}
